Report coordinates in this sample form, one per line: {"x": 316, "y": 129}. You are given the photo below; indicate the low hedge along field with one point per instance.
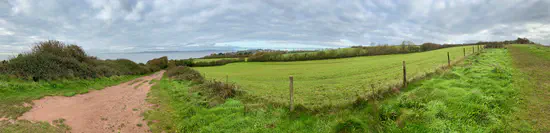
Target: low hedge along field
{"x": 335, "y": 82}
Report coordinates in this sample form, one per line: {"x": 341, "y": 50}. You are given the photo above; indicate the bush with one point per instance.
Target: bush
{"x": 50, "y": 60}
{"x": 184, "y": 73}
{"x": 158, "y": 63}
{"x": 3, "y": 67}
{"x": 215, "y": 91}
{"x": 493, "y": 45}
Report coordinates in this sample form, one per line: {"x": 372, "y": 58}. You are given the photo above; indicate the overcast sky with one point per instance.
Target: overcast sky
{"x": 161, "y": 25}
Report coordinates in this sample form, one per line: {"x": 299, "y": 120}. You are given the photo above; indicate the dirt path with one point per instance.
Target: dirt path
{"x": 113, "y": 109}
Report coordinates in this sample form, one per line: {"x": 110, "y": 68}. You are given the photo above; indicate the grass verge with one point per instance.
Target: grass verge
{"x": 534, "y": 62}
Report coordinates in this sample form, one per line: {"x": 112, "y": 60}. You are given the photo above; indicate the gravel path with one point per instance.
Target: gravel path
{"x": 113, "y": 109}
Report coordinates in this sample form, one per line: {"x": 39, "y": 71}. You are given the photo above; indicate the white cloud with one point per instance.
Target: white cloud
{"x": 21, "y": 7}
{"x": 4, "y": 32}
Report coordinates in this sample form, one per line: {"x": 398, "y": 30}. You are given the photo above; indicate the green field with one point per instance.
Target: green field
{"x": 480, "y": 95}
{"x": 325, "y": 83}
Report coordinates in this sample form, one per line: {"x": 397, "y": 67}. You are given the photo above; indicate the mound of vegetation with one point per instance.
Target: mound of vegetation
{"x": 158, "y": 63}
{"x": 215, "y": 92}
{"x": 50, "y": 60}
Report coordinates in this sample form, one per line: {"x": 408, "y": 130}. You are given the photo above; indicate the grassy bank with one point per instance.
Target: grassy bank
{"x": 534, "y": 62}
{"x": 325, "y": 83}
{"x": 477, "y": 96}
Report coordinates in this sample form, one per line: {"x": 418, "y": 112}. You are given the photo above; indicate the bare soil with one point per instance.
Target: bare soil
{"x": 113, "y": 109}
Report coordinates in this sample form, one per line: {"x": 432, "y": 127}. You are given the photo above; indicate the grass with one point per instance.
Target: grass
{"x": 534, "y": 61}
{"x": 479, "y": 95}
{"x": 213, "y": 59}
{"x": 328, "y": 83}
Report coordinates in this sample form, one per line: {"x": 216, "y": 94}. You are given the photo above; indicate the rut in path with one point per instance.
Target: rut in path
{"x": 113, "y": 109}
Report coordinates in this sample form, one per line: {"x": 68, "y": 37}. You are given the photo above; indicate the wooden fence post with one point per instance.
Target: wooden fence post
{"x": 464, "y": 52}
{"x": 404, "y": 75}
{"x": 448, "y": 59}
{"x": 227, "y": 79}
{"x": 473, "y": 50}
{"x": 291, "y": 93}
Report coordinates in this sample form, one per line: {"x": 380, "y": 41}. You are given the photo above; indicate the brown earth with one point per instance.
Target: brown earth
{"x": 113, "y": 109}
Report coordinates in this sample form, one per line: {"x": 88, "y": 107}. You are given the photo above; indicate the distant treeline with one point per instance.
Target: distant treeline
{"x": 405, "y": 47}
{"x": 192, "y": 63}
{"x": 52, "y": 60}
{"x": 262, "y": 55}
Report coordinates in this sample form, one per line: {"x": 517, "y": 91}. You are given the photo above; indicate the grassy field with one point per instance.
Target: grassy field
{"x": 479, "y": 95}
{"x": 534, "y": 62}
{"x": 214, "y": 59}
{"x": 325, "y": 83}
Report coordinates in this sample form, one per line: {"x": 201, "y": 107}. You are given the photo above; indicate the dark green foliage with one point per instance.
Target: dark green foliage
{"x": 238, "y": 54}
{"x": 429, "y": 46}
{"x": 351, "y": 126}
{"x": 215, "y": 63}
{"x": 3, "y": 67}
{"x": 184, "y": 73}
{"x": 158, "y": 63}
{"x": 185, "y": 62}
{"x": 50, "y": 60}
{"x": 215, "y": 91}
{"x": 192, "y": 63}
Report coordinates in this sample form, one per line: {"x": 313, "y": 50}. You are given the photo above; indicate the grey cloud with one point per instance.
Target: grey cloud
{"x": 139, "y": 25}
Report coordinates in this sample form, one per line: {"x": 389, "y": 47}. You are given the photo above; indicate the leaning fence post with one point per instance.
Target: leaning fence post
{"x": 404, "y": 75}
{"x": 291, "y": 85}
{"x": 448, "y": 59}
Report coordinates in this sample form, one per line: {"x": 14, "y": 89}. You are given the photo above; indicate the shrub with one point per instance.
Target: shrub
{"x": 158, "y": 63}
{"x": 3, "y": 67}
{"x": 429, "y": 46}
{"x": 50, "y": 60}
{"x": 184, "y": 73}
{"x": 494, "y": 45}
{"x": 215, "y": 91}
{"x": 186, "y": 62}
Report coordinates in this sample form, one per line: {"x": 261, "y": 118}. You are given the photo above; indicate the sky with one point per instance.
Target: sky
{"x": 118, "y": 26}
